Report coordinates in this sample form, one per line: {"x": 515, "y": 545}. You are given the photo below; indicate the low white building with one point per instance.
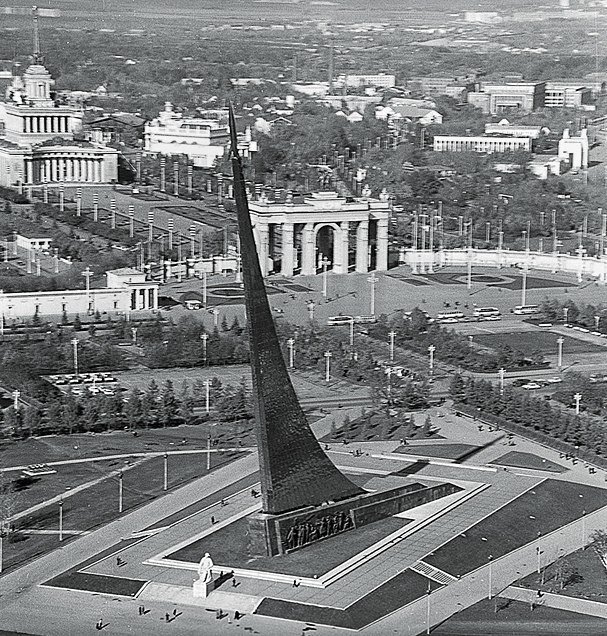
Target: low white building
{"x": 380, "y": 80}
{"x": 542, "y": 166}
{"x": 452, "y": 143}
{"x": 504, "y": 127}
{"x": 423, "y": 116}
{"x": 202, "y": 139}
{"x": 127, "y": 291}
{"x": 33, "y": 243}
{"x": 574, "y": 150}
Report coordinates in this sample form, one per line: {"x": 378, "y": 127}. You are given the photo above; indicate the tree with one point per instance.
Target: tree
{"x": 13, "y": 421}
{"x": 186, "y": 403}
{"x": 599, "y": 545}
{"x": 32, "y": 419}
{"x": 70, "y": 413}
{"x": 235, "y": 403}
{"x": 133, "y": 409}
{"x": 149, "y": 404}
{"x": 168, "y": 404}
{"x": 427, "y": 429}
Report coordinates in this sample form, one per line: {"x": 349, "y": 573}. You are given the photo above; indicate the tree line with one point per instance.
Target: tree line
{"x": 154, "y": 407}
{"x": 533, "y": 413}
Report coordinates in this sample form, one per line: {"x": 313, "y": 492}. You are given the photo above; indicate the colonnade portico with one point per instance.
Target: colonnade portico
{"x": 144, "y": 298}
{"x": 46, "y": 124}
{"x": 56, "y": 169}
{"x": 300, "y": 222}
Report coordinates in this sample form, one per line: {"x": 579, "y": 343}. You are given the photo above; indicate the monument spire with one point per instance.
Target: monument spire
{"x": 295, "y": 471}
{"x": 38, "y": 59}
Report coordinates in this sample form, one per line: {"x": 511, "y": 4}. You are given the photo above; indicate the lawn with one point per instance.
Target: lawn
{"x": 383, "y": 600}
{"x": 229, "y": 548}
{"x": 515, "y": 618}
{"x": 54, "y": 448}
{"x": 506, "y": 280}
{"x": 548, "y": 506}
{"x": 517, "y": 459}
{"x": 98, "y": 504}
{"x": 584, "y": 577}
{"x": 543, "y": 341}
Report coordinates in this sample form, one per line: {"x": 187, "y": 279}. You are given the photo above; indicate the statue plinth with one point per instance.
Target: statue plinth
{"x": 201, "y": 589}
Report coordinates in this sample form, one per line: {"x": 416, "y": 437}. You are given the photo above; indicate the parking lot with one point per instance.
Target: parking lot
{"x": 94, "y": 383}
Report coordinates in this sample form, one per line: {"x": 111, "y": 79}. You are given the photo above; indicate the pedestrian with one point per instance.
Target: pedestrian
{"x": 212, "y": 520}
{"x": 237, "y": 615}
{"x": 99, "y": 625}
{"x": 167, "y": 618}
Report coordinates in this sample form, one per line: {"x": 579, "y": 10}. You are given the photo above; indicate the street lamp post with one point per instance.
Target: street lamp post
{"x": 325, "y": 264}
{"x": 559, "y": 342}
{"x": 490, "y": 595}
{"x": 165, "y": 485}
{"x": 134, "y": 332}
{"x": 120, "y": 498}
{"x": 207, "y": 392}
{"x": 392, "y": 335}
{"x": 74, "y": 342}
{"x": 61, "y": 520}
{"x": 2, "y": 313}
{"x": 565, "y": 313}
{"x": 524, "y": 285}
{"x": 431, "y": 350}
{"x": 311, "y": 306}
{"x": 501, "y": 372}
{"x": 291, "y": 345}
{"x": 373, "y": 280}
{"x": 87, "y": 273}
{"x": 215, "y": 317}
{"x": 204, "y": 337}
{"x": 578, "y": 398}
{"x": 597, "y": 320}
{"x": 351, "y": 332}
{"x": 328, "y": 355}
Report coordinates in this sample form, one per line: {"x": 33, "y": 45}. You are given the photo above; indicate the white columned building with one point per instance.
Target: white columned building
{"x": 293, "y": 237}
{"x": 37, "y": 144}
{"x": 127, "y": 291}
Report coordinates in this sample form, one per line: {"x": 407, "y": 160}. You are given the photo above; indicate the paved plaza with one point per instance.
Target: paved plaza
{"x": 113, "y": 571}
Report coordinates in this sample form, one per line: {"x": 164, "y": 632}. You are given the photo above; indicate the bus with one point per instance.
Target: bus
{"x": 487, "y": 313}
{"x": 450, "y": 316}
{"x": 339, "y": 320}
{"x": 526, "y": 309}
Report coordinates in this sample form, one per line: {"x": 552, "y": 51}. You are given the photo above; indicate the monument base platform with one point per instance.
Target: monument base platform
{"x": 271, "y": 535}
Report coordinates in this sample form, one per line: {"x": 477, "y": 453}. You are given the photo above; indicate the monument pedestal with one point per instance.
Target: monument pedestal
{"x": 270, "y": 535}
{"x": 201, "y": 589}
